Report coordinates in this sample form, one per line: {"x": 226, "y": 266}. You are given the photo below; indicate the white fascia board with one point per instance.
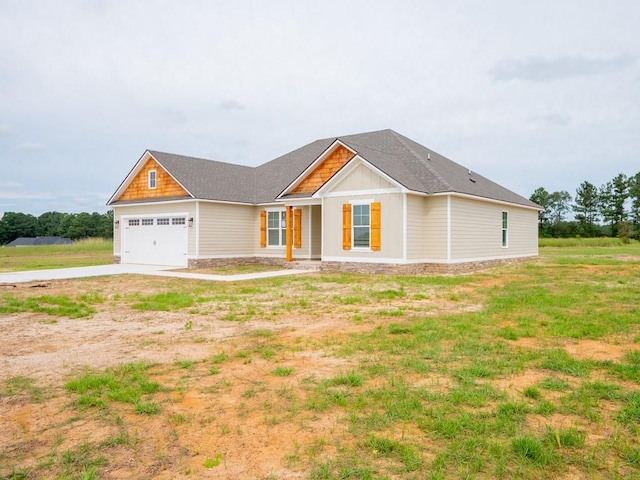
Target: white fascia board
{"x": 182, "y": 200}
{"x": 300, "y": 202}
{"x": 146, "y": 156}
{"x": 149, "y": 215}
{"x": 350, "y": 167}
{"x": 132, "y": 173}
{"x": 483, "y": 199}
{"x": 329, "y": 150}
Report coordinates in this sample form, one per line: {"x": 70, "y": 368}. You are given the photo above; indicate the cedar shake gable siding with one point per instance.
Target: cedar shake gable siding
{"x": 166, "y": 186}
{"x": 323, "y": 172}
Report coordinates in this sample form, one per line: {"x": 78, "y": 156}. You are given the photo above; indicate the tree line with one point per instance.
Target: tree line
{"x": 55, "y": 224}
{"x": 613, "y": 209}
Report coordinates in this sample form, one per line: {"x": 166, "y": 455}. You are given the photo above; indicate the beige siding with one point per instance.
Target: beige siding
{"x": 156, "y": 209}
{"x": 316, "y": 231}
{"x": 476, "y": 230}
{"x": 305, "y": 250}
{"x": 227, "y": 230}
{"x": 390, "y": 221}
{"x": 361, "y": 178}
{"x": 426, "y": 228}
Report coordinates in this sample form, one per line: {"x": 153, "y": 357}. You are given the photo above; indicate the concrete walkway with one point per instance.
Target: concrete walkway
{"x": 116, "y": 269}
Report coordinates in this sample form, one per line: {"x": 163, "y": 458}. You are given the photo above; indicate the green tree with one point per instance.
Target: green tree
{"x": 14, "y": 225}
{"x": 634, "y": 212}
{"x": 559, "y": 203}
{"x": 105, "y": 225}
{"x": 613, "y": 196}
{"x": 542, "y": 198}
{"x": 586, "y": 205}
{"x": 49, "y": 224}
{"x": 81, "y": 226}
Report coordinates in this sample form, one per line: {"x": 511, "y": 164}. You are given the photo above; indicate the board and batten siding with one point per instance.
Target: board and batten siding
{"x": 361, "y": 178}
{"x": 391, "y": 230}
{"x": 476, "y": 230}
{"x": 150, "y": 210}
{"x": 426, "y": 228}
{"x": 227, "y": 230}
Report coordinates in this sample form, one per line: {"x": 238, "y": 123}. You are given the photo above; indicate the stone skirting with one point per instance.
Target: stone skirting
{"x": 234, "y": 262}
{"x": 355, "y": 267}
{"x": 417, "y": 268}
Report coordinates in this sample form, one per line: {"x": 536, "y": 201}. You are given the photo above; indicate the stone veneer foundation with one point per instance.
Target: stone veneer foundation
{"x": 355, "y": 267}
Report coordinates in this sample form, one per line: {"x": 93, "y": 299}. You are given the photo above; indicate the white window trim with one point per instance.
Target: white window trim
{"x": 155, "y": 179}
{"x": 504, "y": 232}
{"x": 353, "y": 236}
{"x": 283, "y": 238}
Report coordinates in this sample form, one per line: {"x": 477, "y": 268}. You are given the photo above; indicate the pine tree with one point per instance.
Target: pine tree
{"x": 586, "y": 208}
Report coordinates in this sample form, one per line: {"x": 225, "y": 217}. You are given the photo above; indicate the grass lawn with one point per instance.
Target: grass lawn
{"x": 528, "y": 371}
{"x": 81, "y": 253}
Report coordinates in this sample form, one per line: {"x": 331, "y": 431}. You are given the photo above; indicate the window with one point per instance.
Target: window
{"x": 152, "y": 179}
{"x": 178, "y": 221}
{"x": 505, "y": 229}
{"x": 163, "y": 221}
{"x": 361, "y": 226}
{"x": 276, "y": 228}
{"x": 134, "y": 222}
{"x": 147, "y": 221}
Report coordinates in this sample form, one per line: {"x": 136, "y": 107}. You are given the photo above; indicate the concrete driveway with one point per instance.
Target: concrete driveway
{"x": 119, "y": 269}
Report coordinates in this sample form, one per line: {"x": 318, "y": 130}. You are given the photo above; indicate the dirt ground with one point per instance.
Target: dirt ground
{"x": 196, "y": 425}
{"x": 244, "y": 416}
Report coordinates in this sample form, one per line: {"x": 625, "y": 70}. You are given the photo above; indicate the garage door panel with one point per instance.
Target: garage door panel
{"x": 161, "y": 240}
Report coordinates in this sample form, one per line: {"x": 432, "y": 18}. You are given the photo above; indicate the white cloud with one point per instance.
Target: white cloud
{"x": 538, "y": 69}
{"x": 31, "y": 146}
{"x": 97, "y": 82}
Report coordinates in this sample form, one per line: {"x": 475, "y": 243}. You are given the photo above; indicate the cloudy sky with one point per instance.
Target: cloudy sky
{"x": 529, "y": 94}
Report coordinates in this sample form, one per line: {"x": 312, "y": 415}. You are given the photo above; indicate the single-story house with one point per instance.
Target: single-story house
{"x": 371, "y": 201}
{"x": 31, "y": 241}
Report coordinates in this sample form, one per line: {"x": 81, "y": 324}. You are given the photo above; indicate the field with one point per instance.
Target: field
{"x": 528, "y": 371}
{"x": 83, "y": 253}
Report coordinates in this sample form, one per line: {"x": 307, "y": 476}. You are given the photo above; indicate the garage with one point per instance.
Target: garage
{"x": 155, "y": 240}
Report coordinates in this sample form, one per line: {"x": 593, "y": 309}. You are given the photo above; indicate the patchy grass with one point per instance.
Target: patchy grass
{"x": 54, "y": 305}
{"x": 524, "y": 371}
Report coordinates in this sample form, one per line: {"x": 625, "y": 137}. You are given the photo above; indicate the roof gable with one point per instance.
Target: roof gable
{"x": 358, "y": 176}
{"x": 322, "y": 169}
{"x": 165, "y": 185}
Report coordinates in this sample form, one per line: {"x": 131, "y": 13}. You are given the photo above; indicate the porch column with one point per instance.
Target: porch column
{"x": 289, "y": 233}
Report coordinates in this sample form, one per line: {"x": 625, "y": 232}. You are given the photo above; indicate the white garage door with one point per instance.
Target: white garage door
{"x": 158, "y": 240}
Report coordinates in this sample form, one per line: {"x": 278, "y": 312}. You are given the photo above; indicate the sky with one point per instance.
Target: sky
{"x": 528, "y": 94}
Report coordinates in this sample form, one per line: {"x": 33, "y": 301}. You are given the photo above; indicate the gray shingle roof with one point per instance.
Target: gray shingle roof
{"x": 208, "y": 179}
{"x": 412, "y": 165}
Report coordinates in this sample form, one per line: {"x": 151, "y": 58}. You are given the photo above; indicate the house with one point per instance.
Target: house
{"x": 31, "y": 241}
{"x": 374, "y": 201}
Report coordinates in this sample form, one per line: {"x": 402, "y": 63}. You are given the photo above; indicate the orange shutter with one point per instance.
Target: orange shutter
{"x": 346, "y": 226}
{"x": 263, "y": 228}
{"x": 375, "y": 226}
{"x": 297, "y": 228}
